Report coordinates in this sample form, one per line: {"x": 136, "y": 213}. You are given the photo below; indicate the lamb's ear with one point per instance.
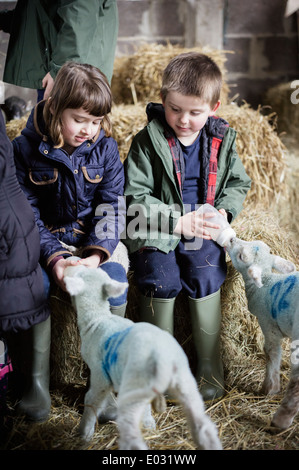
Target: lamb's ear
{"x": 74, "y": 285}
{"x": 255, "y": 273}
{"x": 282, "y": 265}
{"x": 114, "y": 288}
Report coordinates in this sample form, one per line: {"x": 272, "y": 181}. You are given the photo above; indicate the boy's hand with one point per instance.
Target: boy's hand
{"x": 195, "y": 224}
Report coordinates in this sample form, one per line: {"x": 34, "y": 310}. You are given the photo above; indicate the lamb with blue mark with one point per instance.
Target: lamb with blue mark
{"x": 273, "y": 297}
{"x": 138, "y": 361}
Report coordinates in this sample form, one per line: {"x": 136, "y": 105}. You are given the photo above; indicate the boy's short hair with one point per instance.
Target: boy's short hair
{"x": 193, "y": 73}
{"x": 77, "y": 86}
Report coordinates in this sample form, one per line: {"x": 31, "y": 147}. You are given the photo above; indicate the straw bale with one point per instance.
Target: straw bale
{"x": 137, "y": 77}
{"x": 279, "y": 98}
{"x": 261, "y": 151}
{"x": 127, "y": 120}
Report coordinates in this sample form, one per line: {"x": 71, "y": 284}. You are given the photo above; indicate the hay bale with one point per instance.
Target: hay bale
{"x": 67, "y": 366}
{"x": 280, "y": 99}
{"x": 262, "y": 152}
{"x": 127, "y": 120}
{"x": 137, "y": 77}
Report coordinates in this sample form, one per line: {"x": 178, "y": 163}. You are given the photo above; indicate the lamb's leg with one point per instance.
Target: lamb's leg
{"x": 289, "y": 407}
{"x": 129, "y": 417}
{"x": 272, "y": 350}
{"x": 94, "y": 402}
{"x": 204, "y": 431}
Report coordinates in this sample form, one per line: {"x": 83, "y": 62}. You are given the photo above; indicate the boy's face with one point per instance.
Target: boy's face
{"x": 186, "y": 115}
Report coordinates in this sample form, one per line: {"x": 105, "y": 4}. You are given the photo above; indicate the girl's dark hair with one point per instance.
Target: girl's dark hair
{"x": 77, "y": 86}
{"x": 193, "y": 73}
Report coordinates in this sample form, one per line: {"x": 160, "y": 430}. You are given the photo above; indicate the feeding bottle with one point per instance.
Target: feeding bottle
{"x": 220, "y": 235}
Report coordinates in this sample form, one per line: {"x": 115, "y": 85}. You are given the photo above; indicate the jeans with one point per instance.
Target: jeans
{"x": 198, "y": 272}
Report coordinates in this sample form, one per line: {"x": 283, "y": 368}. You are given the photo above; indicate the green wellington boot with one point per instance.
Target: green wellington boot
{"x": 36, "y": 401}
{"x": 119, "y": 310}
{"x": 159, "y": 312}
{"x": 206, "y": 324}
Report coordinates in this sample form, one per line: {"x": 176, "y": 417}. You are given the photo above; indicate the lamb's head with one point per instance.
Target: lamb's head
{"x": 254, "y": 260}
{"x": 94, "y": 284}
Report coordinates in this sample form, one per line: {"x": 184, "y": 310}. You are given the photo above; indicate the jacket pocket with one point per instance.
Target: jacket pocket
{"x": 92, "y": 174}
{"x": 43, "y": 176}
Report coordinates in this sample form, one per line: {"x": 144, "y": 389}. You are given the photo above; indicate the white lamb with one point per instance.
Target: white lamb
{"x": 139, "y": 361}
{"x": 274, "y": 299}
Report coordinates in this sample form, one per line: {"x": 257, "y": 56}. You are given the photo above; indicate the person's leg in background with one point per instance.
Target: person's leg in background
{"x": 36, "y": 342}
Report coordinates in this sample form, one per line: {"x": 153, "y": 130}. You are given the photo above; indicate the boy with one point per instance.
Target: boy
{"x": 183, "y": 158}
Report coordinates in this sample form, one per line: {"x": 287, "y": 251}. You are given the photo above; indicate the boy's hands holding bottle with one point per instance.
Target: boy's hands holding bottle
{"x": 197, "y": 224}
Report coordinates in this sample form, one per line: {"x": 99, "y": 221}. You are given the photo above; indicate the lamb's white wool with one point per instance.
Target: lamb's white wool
{"x": 274, "y": 299}
{"x": 138, "y": 361}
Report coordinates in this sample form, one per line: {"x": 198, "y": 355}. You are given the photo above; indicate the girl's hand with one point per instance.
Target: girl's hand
{"x": 58, "y": 270}
{"x": 92, "y": 261}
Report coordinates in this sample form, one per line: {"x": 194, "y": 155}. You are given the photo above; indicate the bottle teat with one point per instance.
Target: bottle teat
{"x": 222, "y": 235}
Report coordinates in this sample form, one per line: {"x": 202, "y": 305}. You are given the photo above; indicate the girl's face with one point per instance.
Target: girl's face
{"x": 78, "y": 126}
{"x": 186, "y": 115}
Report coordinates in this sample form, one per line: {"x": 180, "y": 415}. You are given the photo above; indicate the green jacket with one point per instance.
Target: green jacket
{"x": 153, "y": 198}
{"x": 44, "y": 34}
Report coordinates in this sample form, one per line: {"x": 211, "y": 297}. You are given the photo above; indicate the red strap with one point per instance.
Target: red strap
{"x": 213, "y": 170}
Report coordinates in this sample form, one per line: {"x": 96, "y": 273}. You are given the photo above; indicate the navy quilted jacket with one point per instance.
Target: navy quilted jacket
{"x": 23, "y": 299}
{"x": 77, "y": 199}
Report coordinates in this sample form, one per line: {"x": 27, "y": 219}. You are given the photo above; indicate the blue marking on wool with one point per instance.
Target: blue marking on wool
{"x": 111, "y": 348}
{"x": 280, "y": 293}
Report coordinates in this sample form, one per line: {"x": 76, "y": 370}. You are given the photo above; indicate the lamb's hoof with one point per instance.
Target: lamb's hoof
{"x": 280, "y": 421}
{"x": 85, "y": 434}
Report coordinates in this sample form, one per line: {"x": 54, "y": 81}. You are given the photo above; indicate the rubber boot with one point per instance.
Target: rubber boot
{"x": 206, "y": 324}
{"x": 159, "y": 312}
{"x": 119, "y": 310}
{"x": 36, "y": 401}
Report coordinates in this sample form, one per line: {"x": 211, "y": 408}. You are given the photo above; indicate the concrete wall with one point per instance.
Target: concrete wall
{"x": 264, "y": 42}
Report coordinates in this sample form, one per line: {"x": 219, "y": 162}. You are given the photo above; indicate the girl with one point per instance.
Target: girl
{"x": 69, "y": 167}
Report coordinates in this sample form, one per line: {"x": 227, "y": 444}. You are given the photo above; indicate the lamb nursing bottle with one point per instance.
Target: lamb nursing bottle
{"x": 220, "y": 235}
